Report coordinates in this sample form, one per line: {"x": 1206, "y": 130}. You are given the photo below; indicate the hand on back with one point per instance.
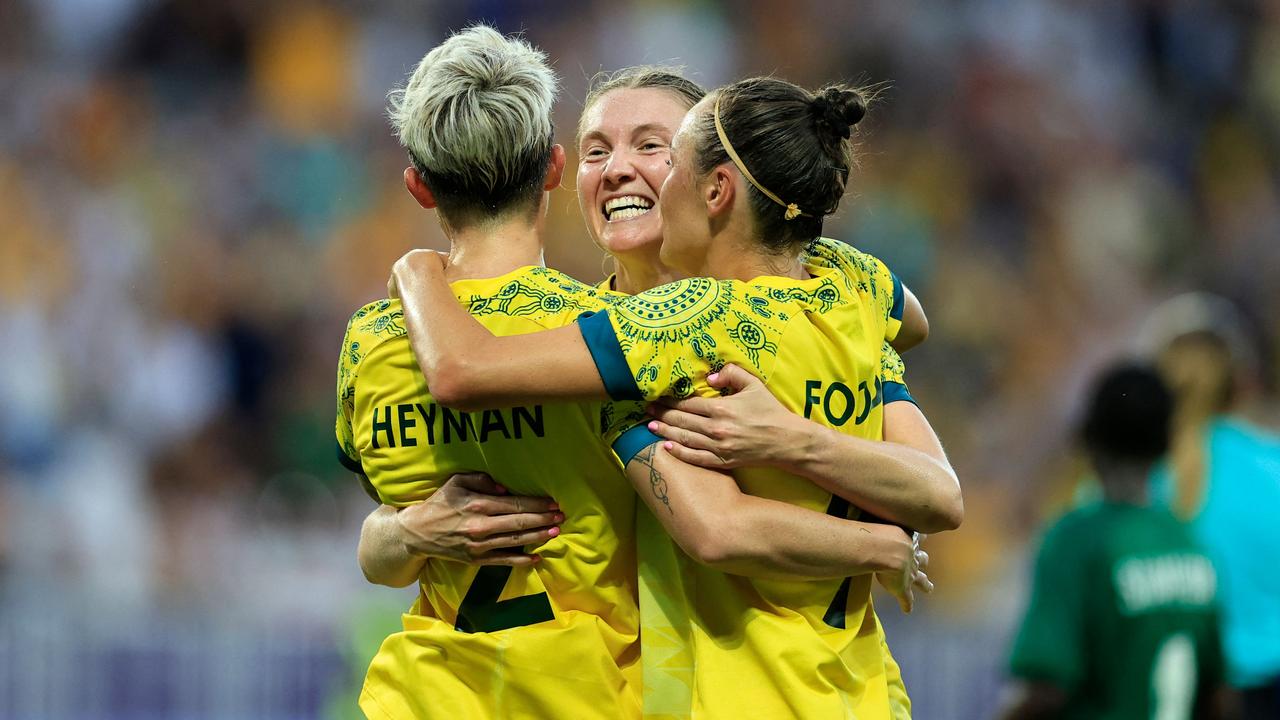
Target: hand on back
{"x": 473, "y": 519}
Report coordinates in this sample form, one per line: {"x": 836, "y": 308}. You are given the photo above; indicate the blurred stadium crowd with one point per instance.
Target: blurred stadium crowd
{"x": 195, "y": 195}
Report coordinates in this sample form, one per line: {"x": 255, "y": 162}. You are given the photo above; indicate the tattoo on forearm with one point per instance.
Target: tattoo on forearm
{"x": 657, "y": 483}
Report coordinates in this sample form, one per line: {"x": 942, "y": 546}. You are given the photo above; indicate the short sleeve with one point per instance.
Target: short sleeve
{"x": 624, "y": 426}
{"x": 664, "y": 342}
{"x": 1049, "y": 644}
{"x": 348, "y": 364}
{"x": 869, "y": 275}
{"x": 893, "y": 376}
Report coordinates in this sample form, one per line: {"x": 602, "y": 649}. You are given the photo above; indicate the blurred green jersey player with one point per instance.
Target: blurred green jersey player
{"x": 1122, "y": 621}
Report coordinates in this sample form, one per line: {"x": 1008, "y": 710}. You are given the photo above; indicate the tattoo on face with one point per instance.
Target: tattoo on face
{"x": 657, "y": 483}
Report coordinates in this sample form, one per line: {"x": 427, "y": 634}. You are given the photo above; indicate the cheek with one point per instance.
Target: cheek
{"x": 656, "y": 173}
{"x": 587, "y": 182}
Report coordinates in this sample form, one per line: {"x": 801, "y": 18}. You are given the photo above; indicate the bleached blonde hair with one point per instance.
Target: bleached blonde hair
{"x": 475, "y": 117}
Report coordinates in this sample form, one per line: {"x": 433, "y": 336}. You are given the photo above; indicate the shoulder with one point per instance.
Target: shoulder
{"x": 369, "y": 327}
{"x": 541, "y": 295}
{"x": 669, "y": 311}
{"x": 866, "y": 274}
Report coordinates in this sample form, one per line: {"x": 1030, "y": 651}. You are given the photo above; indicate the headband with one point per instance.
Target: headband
{"x": 792, "y": 209}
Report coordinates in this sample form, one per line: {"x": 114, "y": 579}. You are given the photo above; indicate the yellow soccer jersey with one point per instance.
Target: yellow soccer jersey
{"x": 559, "y": 640}
{"x": 717, "y": 645}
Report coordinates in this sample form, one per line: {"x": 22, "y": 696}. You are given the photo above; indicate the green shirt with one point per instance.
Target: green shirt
{"x": 1122, "y": 615}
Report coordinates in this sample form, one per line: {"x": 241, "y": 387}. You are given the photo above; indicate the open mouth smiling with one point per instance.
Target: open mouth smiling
{"x": 627, "y": 207}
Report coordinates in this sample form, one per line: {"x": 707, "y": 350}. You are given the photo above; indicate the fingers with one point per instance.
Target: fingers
{"x": 516, "y": 523}
{"x": 701, "y": 458}
{"x": 922, "y": 559}
{"x": 510, "y": 505}
{"x": 673, "y": 415}
{"x": 695, "y": 405}
{"x": 923, "y": 582}
{"x": 516, "y": 539}
{"x": 906, "y": 600}
{"x": 688, "y": 438}
{"x": 732, "y": 377}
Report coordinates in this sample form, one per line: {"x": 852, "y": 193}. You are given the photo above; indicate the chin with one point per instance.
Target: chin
{"x": 629, "y": 241}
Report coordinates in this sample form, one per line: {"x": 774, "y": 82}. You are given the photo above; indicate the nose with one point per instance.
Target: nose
{"x": 620, "y": 168}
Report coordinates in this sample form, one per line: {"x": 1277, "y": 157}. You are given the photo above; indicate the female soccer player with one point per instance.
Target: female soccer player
{"x": 734, "y": 645}
{"x": 624, "y": 139}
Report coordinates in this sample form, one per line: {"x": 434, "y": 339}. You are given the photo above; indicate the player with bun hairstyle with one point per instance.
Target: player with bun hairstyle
{"x": 755, "y": 168}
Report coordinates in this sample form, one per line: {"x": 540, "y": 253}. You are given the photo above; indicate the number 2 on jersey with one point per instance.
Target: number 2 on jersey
{"x": 481, "y": 611}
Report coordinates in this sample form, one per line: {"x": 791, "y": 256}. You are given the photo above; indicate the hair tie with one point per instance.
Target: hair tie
{"x": 792, "y": 210}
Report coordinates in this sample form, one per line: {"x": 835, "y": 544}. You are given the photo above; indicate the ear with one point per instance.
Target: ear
{"x": 555, "y": 168}
{"x": 719, "y": 191}
{"x": 417, "y": 187}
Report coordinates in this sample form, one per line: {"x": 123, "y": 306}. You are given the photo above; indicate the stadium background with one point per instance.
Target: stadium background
{"x": 195, "y": 195}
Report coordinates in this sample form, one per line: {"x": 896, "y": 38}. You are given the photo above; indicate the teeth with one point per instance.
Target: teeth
{"x": 627, "y": 213}
{"x": 629, "y": 202}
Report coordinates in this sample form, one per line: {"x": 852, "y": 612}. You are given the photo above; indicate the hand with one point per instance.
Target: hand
{"x": 414, "y": 263}
{"x": 911, "y": 576}
{"x": 728, "y": 432}
{"x": 472, "y": 519}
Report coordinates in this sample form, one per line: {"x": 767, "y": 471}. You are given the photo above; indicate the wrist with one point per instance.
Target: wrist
{"x": 802, "y": 444}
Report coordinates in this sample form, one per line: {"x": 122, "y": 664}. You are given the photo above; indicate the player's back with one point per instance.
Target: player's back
{"x": 718, "y": 645}
{"x": 493, "y": 641}
{"x": 1148, "y": 637}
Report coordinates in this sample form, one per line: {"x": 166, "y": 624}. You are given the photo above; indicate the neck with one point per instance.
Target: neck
{"x": 490, "y": 249}
{"x": 641, "y": 269}
{"x": 735, "y": 254}
{"x": 1124, "y": 482}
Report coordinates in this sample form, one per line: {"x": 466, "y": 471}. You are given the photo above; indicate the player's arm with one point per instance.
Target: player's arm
{"x": 469, "y": 368}
{"x": 907, "y": 480}
{"x": 469, "y": 519}
{"x": 718, "y": 525}
{"x": 915, "y": 324}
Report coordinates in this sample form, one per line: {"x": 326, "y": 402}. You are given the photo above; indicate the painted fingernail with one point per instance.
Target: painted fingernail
{"x": 555, "y": 506}
{"x": 537, "y": 558}
{"x": 559, "y": 518}
{"x": 653, "y": 426}
{"x": 553, "y": 532}
{"x": 667, "y": 445}
{"x": 712, "y": 377}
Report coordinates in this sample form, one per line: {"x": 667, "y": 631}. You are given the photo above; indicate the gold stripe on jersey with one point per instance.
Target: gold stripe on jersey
{"x": 558, "y": 640}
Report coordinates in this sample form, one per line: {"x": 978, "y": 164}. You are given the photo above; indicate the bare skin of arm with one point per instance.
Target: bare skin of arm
{"x": 907, "y": 480}
{"x": 768, "y": 538}
{"x": 915, "y": 325}
{"x": 469, "y": 519}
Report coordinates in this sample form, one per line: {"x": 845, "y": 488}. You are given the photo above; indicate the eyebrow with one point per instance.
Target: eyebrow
{"x": 640, "y": 130}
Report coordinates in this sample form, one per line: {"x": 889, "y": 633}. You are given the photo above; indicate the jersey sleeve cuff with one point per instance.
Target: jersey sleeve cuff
{"x": 896, "y": 310}
{"x": 610, "y": 361}
{"x": 352, "y": 465}
{"x": 630, "y": 443}
{"x": 895, "y": 391}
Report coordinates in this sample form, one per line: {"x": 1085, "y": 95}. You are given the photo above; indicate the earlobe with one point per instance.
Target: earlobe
{"x": 555, "y": 168}
{"x": 417, "y": 187}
